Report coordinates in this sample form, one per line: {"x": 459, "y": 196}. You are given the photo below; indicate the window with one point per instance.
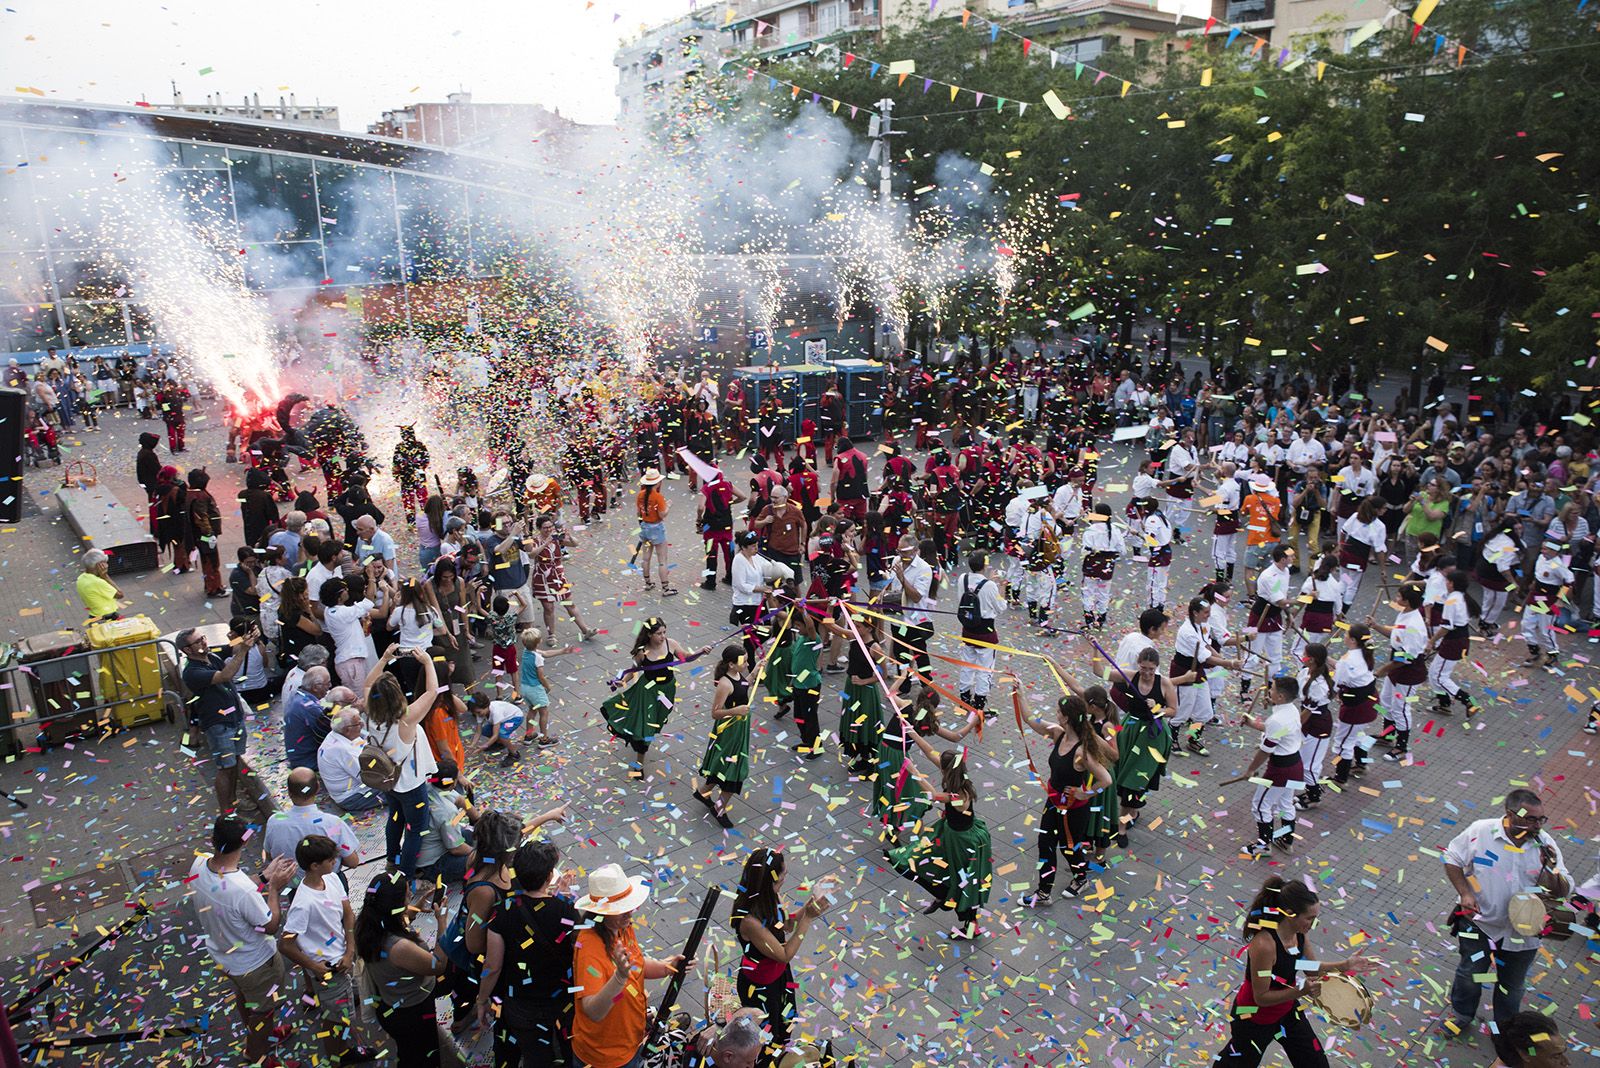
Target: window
{"x": 433, "y": 228}
{"x": 283, "y": 265}
{"x": 24, "y": 278}
{"x": 29, "y": 328}
{"x": 276, "y": 198}
{"x": 1141, "y": 51}
{"x": 95, "y": 323}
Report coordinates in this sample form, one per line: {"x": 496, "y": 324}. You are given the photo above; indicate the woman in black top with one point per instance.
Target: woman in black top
{"x": 297, "y": 622}
{"x": 769, "y": 941}
{"x": 1077, "y": 771}
{"x": 527, "y": 965}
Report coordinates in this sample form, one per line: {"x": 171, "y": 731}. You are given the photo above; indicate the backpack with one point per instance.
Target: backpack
{"x": 968, "y": 611}
{"x": 378, "y": 769}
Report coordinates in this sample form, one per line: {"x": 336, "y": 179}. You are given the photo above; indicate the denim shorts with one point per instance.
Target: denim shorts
{"x": 654, "y": 533}
{"x": 226, "y": 741}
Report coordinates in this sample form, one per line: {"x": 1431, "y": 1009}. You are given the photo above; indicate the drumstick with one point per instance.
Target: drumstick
{"x": 1236, "y": 778}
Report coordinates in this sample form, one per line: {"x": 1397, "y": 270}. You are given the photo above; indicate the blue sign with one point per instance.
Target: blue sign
{"x": 708, "y": 335}
{"x": 759, "y": 340}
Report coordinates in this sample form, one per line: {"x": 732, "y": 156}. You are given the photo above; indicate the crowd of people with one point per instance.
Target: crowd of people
{"x": 1370, "y": 551}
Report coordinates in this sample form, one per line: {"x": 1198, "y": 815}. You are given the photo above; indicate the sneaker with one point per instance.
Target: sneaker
{"x": 1592, "y": 727}
{"x": 1074, "y": 888}
{"x": 1454, "y": 1029}
{"x": 723, "y": 820}
{"x": 1258, "y": 848}
{"x": 1198, "y": 748}
{"x": 1034, "y": 901}
{"x": 510, "y": 760}
{"x": 709, "y": 584}
{"x": 1395, "y": 756}
{"x": 1284, "y": 842}
{"x": 547, "y": 740}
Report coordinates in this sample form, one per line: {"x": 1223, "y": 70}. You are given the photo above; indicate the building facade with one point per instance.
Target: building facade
{"x": 1080, "y": 31}
{"x": 287, "y": 111}
{"x": 665, "y": 62}
{"x": 461, "y": 122}
{"x": 772, "y": 29}
{"x": 1292, "y": 23}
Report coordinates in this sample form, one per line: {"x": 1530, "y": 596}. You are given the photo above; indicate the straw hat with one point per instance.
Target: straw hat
{"x": 651, "y": 477}
{"x": 612, "y": 892}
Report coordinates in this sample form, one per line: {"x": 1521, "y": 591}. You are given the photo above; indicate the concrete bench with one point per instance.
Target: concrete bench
{"x": 107, "y": 524}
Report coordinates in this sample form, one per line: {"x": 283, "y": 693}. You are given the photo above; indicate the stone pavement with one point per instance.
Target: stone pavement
{"x": 1137, "y": 973}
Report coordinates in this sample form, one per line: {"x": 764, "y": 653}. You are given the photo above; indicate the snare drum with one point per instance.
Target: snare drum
{"x": 800, "y": 1055}
{"x": 1344, "y": 1001}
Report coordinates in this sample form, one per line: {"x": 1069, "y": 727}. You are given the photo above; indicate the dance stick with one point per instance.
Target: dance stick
{"x": 675, "y": 984}
{"x": 1236, "y": 778}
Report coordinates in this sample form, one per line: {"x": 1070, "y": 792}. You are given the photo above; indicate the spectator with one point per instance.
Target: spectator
{"x": 318, "y": 935}
{"x": 258, "y": 510}
{"x": 373, "y": 540}
{"x": 311, "y": 656}
{"x": 288, "y": 539}
{"x": 783, "y": 524}
{"x": 395, "y": 724}
{"x": 216, "y": 711}
{"x": 444, "y": 852}
{"x": 242, "y": 582}
{"x": 305, "y": 718}
{"x": 1531, "y": 1040}
{"x": 285, "y": 829}
{"x": 339, "y": 764}
{"x": 330, "y": 558}
{"x": 344, "y": 622}
{"x": 401, "y": 970}
{"x": 100, "y": 596}
{"x": 239, "y": 924}
{"x": 254, "y": 683}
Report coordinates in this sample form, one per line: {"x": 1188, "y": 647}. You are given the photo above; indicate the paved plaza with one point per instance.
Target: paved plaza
{"x": 1138, "y": 972}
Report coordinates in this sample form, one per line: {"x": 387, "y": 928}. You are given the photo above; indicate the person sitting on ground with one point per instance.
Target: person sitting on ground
{"x": 287, "y": 827}
{"x": 445, "y": 849}
{"x": 339, "y": 764}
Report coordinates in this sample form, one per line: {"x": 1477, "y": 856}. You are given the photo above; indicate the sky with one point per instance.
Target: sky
{"x": 364, "y": 56}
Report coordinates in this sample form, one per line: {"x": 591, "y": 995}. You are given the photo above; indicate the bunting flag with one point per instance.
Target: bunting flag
{"x": 796, "y": 90}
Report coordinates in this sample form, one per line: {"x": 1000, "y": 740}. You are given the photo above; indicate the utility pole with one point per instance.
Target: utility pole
{"x": 885, "y": 131}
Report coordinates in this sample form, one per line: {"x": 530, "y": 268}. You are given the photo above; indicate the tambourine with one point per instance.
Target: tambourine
{"x": 803, "y": 1054}
{"x": 1344, "y": 1001}
{"x": 1527, "y": 914}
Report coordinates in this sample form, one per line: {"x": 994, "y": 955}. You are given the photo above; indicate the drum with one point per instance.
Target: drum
{"x": 1527, "y": 914}
{"x": 722, "y": 1000}
{"x": 803, "y": 1054}
{"x": 1344, "y": 1001}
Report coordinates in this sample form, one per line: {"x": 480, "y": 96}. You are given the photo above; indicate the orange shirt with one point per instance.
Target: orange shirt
{"x": 1257, "y": 508}
{"x": 652, "y": 506}
{"x": 611, "y": 1042}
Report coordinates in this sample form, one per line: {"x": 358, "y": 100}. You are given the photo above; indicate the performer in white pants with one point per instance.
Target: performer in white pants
{"x": 1497, "y": 566}
{"x": 1220, "y": 635}
{"x": 1225, "y": 534}
{"x": 1158, "y": 546}
{"x": 1550, "y": 574}
{"x": 1191, "y": 656}
{"x": 1355, "y": 681}
{"x": 1316, "y": 695}
{"x": 1178, "y": 474}
{"x": 1281, "y": 740}
{"x": 1365, "y": 538}
{"x": 1322, "y": 593}
{"x": 1450, "y": 638}
{"x": 1407, "y": 670}
{"x": 1016, "y": 515}
{"x": 1264, "y": 622}
{"x": 1102, "y": 544}
{"x": 979, "y": 604}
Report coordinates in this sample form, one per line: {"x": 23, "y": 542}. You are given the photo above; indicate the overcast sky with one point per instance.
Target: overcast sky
{"x": 363, "y": 55}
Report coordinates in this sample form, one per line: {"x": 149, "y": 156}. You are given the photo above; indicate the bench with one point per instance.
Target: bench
{"x": 107, "y": 524}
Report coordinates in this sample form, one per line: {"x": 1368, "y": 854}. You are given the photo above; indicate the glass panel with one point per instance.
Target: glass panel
{"x": 494, "y": 233}
{"x": 29, "y": 329}
{"x": 358, "y": 224}
{"x": 209, "y": 157}
{"x": 24, "y": 278}
{"x": 203, "y": 196}
{"x": 143, "y": 326}
{"x": 89, "y": 276}
{"x": 98, "y": 323}
{"x": 19, "y": 223}
{"x": 275, "y": 196}
{"x": 283, "y": 265}
{"x": 433, "y": 225}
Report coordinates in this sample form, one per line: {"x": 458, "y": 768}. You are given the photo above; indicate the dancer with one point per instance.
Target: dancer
{"x": 1406, "y": 670}
{"x": 1077, "y": 773}
{"x": 897, "y": 795}
{"x": 1550, "y": 576}
{"x": 769, "y": 941}
{"x": 1040, "y": 541}
{"x": 1157, "y": 532}
{"x": 715, "y": 520}
{"x": 811, "y": 629}
{"x": 951, "y": 858}
{"x": 1364, "y": 537}
{"x": 1355, "y": 680}
{"x": 1497, "y": 566}
{"x": 1192, "y": 657}
{"x": 1326, "y": 592}
{"x": 1264, "y": 623}
{"x": 1448, "y": 644}
{"x": 1266, "y": 1008}
{"x": 1225, "y": 530}
{"x": 1316, "y": 694}
{"x": 637, "y": 714}
{"x": 1220, "y": 635}
{"x": 726, "y": 763}
{"x": 861, "y": 714}
{"x": 1281, "y": 738}
{"x": 1101, "y": 547}
{"x": 980, "y": 603}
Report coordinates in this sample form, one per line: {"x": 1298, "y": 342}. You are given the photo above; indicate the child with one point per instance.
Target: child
{"x": 141, "y": 399}
{"x": 498, "y": 722}
{"x": 503, "y": 640}
{"x": 317, "y": 935}
{"x": 534, "y": 688}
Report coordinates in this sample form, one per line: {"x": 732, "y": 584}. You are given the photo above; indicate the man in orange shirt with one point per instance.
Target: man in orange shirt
{"x": 1263, "y": 513}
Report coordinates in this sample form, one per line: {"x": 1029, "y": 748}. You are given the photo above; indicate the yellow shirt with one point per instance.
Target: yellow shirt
{"x": 99, "y": 597}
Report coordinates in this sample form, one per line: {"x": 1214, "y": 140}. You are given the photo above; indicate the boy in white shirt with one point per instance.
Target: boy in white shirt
{"x": 498, "y": 724}
{"x": 318, "y": 935}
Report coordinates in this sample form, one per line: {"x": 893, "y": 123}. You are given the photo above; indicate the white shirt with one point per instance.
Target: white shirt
{"x": 1100, "y": 538}
{"x": 316, "y": 919}
{"x": 1314, "y": 691}
{"x": 1329, "y": 589}
{"x": 339, "y": 765}
{"x": 1128, "y": 650}
{"x": 230, "y": 908}
{"x": 343, "y": 623}
{"x": 1302, "y": 454}
{"x": 1499, "y": 869}
{"x": 1068, "y": 501}
{"x": 316, "y": 577}
{"x": 1359, "y": 484}
{"x": 913, "y": 595}
{"x": 501, "y": 713}
{"x": 1501, "y": 551}
{"x": 1228, "y": 498}
{"x": 1550, "y": 571}
{"x": 416, "y": 761}
{"x": 287, "y": 826}
{"x": 1272, "y": 585}
{"x": 1351, "y": 672}
{"x": 748, "y": 572}
{"x": 1374, "y": 534}
{"x": 1455, "y": 613}
{"x": 416, "y": 626}
{"x": 1144, "y": 486}
{"x": 1192, "y": 644}
{"x": 1157, "y": 531}
{"x": 1237, "y": 452}
{"x": 1409, "y": 637}
{"x": 1180, "y": 462}
{"x": 1217, "y": 629}
{"x": 1016, "y": 511}
{"x": 1434, "y": 585}
{"x": 990, "y": 603}
{"x": 1280, "y": 735}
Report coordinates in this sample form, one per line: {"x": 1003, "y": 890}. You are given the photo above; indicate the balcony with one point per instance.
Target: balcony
{"x": 1239, "y": 11}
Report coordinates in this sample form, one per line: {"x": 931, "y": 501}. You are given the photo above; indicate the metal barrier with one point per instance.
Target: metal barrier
{"x": 11, "y": 675}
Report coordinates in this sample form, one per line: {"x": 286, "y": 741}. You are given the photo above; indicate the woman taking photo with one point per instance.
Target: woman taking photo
{"x": 769, "y": 942}
{"x": 527, "y": 965}
{"x": 1267, "y": 1008}
{"x": 1077, "y": 773}
{"x": 401, "y": 971}
{"x": 637, "y": 714}
{"x": 608, "y": 972}
{"x": 727, "y": 760}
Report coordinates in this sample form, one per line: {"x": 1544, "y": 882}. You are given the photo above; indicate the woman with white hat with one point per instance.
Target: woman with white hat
{"x": 609, "y": 970}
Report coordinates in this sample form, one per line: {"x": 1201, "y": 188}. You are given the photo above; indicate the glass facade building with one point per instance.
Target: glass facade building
{"x": 313, "y": 212}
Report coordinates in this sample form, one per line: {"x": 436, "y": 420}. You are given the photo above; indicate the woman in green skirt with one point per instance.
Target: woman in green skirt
{"x": 897, "y": 795}
{"x": 1145, "y": 743}
{"x": 861, "y": 718}
{"x": 727, "y": 761}
{"x": 951, "y": 857}
{"x": 637, "y": 714}
{"x": 778, "y": 675}
{"x": 1105, "y": 808}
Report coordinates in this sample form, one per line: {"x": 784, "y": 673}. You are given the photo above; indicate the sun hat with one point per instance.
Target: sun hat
{"x": 651, "y": 477}
{"x": 612, "y": 892}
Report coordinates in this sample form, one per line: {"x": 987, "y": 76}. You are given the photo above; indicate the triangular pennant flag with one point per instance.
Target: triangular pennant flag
{"x": 965, "y": 15}
{"x": 1205, "y": 77}
{"x": 1209, "y": 23}
{"x": 852, "y": 111}
{"x": 849, "y": 58}
{"x": 1296, "y": 64}
{"x": 1000, "y": 104}
{"x": 954, "y": 89}
{"x": 1125, "y": 87}
{"x": 816, "y": 98}
{"x": 772, "y": 83}
{"x": 1321, "y": 66}
{"x": 1283, "y": 55}
{"x": 1438, "y": 42}
{"x": 1424, "y": 9}
{"x": 1054, "y": 57}
{"x": 1098, "y": 75}
{"x": 931, "y": 5}
{"x": 794, "y": 91}
{"x": 1026, "y": 44}
{"x": 1233, "y": 35}
{"x": 927, "y": 83}
{"x": 1077, "y": 70}
{"x": 1260, "y": 41}
{"x": 1461, "y": 55}
{"x": 1022, "y": 109}
{"x": 994, "y": 31}
{"x": 762, "y": 27}
{"x": 1416, "y": 28}
{"x": 873, "y": 73}
{"x": 836, "y": 107}
{"x": 980, "y": 99}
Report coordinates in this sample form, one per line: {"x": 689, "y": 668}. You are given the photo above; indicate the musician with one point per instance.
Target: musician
{"x": 1158, "y": 536}
{"x": 1225, "y": 534}
{"x": 1181, "y": 466}
{"x": 1550, "y": 574}
{"x": 1039, "y": 540}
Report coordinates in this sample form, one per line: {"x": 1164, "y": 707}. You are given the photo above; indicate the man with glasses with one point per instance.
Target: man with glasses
{"x": 1489, "y": 864}
{"x": 216, "y": 712}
